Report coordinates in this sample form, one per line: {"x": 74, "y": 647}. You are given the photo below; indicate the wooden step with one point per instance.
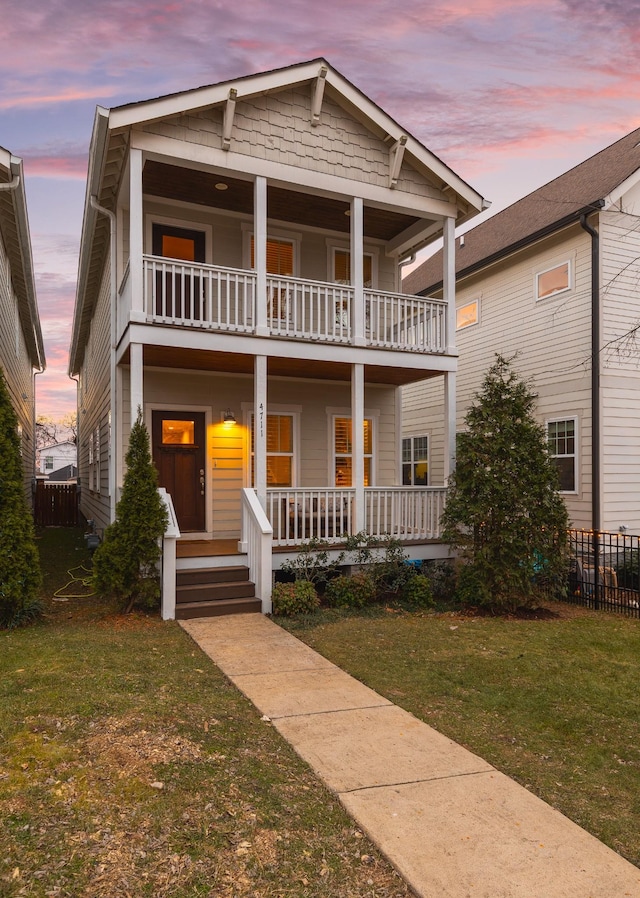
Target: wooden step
{"x": 190, "y": 610}
{"x": 187, "y": 576}
{"x": 215, "y": 592}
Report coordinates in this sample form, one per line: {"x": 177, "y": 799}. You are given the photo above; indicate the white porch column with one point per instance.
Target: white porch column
{"x": 260, "y": 253}
{"x": 136, "y": 388}
{"x": 357, "y": 442}
{"x": 449, "y": 281}
{"x": 449, "y": 425}
{"x": 357, "y": 275}
{"x": 136, "y": 235}
{"x": 260, "y": 428}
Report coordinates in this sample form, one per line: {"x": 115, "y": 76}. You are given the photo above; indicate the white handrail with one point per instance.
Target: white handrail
{"x": 257, "y": 541}
{"x": 168, "y": 580}
{"x": 404, "y": 512}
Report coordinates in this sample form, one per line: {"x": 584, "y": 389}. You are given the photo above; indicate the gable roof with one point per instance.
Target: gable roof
{"x": 581, "y": 190}
{"x": 14, "y": 228}
{"x": 109, "y": 145}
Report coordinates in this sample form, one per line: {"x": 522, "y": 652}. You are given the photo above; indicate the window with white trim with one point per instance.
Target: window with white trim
{"x": 96, "y": 472}
{"x": 48, "y": 462}
{"x": 341, "y": 273}
{"x": 91, "y": 462}
{"x": 553, "y": 280}
{"x": 280, "y": 450}
{"x": 343, "y": 451}
{"x": 562, "y": 434}
{"x": 415, "y": 461}
{"x": 468, "y": 314}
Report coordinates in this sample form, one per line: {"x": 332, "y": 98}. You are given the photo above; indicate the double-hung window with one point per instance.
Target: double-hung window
{"x": 561, "y": 435}
{"x": 415, "y": 461}
{"x": 280, "y": 451}
{"x": 343, "y": 451}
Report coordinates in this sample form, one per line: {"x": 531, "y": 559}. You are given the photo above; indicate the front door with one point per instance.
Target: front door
{"x": 179, "y": 292}
{"x": 179, "y": 455}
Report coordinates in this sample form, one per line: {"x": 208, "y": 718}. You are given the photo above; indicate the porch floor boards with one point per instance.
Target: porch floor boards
{"x": 206, "y": 548}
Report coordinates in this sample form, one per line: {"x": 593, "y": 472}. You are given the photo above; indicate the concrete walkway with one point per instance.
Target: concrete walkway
{"x": 450, "y": 823}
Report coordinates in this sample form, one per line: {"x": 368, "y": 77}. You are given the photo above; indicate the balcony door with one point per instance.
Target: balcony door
{"x": 178, "y": 289}
{"x": 179, "y": 455}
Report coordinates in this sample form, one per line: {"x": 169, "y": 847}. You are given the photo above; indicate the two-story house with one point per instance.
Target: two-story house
{"x": 239, "y": 283}
{"x": 555, "y": 278}
{"x": 21, "y": 347}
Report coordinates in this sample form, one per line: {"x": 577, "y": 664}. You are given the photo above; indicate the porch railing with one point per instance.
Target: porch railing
{"x": 396, "y": 321}
{"x": 407, "y": 513}
{"x": 298, "y": 515}
{"x": 187, "y": 294}
{"x": 194, "y": 295}
{"x": 257, "y": 542}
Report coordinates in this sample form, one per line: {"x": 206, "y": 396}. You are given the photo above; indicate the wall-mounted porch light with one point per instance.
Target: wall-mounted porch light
{"x": 228, "y": 417}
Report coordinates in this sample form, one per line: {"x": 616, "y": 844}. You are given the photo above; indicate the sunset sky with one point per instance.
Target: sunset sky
{"x": 509, "y": 93}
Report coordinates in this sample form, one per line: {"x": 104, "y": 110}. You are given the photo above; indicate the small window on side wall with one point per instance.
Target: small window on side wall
{"x": 561, "y": 435}
{"x": 553, "y": 280}
{"x": 467, "y": 315}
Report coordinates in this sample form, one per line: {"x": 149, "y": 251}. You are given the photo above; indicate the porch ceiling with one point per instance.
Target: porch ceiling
{"x": 235, "y": 363}
{"x": 192, "y": 186}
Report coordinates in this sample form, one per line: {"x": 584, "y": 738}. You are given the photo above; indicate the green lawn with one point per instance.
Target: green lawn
{"x": 553, "y": 703}
{"x": 129, "y": 766}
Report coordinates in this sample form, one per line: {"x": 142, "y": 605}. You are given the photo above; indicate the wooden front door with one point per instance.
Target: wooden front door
{"x": 179, "y": 455}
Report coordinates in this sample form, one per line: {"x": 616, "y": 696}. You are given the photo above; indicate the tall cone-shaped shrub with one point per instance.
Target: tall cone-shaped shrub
{"x": 20, "y": 577}
{"x": 503, "y": 508}
{"x": 126, "y": 564}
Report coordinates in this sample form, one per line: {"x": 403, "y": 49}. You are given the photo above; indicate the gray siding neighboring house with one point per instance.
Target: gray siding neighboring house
{"x": 555, "y": 279}
{"x": 21, "y": 347}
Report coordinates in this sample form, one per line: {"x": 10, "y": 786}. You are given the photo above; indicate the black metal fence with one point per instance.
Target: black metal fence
{"x": 605, "y": 571}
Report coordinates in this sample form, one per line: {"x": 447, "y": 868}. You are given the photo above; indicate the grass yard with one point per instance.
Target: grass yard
{"x": 552, "y": 702}
{"x": 129, "y": 766}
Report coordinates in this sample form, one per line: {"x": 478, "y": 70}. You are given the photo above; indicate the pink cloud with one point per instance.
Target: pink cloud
{"x": 51, "y": 166}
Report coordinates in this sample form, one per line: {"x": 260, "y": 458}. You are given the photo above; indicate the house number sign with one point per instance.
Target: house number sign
{"x": 261, "y": 420}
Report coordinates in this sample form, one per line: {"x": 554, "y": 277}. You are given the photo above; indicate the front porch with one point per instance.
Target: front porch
{"x": 271, "y": 537}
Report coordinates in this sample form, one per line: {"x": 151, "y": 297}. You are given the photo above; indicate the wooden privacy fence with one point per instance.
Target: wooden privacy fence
{"x": 56, "y": 504}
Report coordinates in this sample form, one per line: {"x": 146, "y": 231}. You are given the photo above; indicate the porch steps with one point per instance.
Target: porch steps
{"x": 213, "y": 591}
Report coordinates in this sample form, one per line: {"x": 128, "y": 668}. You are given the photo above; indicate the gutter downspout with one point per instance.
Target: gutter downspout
{"x": 11, "y": 185}
{"x": 595, "y": 401}
{"x": 113, "y": 448}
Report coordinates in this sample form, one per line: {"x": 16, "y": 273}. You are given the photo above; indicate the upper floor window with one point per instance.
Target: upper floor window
{"x": 280, "y": 256}
{"x": 553, "y": 280}
{"x": 48, "y": 462}
{"x": 467, "y": 314}
{"x": 562, "y": 448}
{"x": 415, "y": 461}
{"x": 342, "y": 267}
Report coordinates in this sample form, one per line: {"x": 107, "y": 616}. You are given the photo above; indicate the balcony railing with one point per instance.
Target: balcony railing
{"x": 406, "y": 513}
{"x": 186, "y": 294}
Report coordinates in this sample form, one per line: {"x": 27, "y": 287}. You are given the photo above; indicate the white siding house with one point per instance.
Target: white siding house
{"x": 554, "y": 280}
{"x": 21, "y": 348}
{"x": 239, "y": 283}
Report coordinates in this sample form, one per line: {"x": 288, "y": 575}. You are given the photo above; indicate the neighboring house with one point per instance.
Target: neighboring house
{"x": 555, "y": 278}
{"x": 21, "y": 347}
{"x": 67, "y": 474}
{"x": 58, "y": 455}
{"x": 240, "y": 266}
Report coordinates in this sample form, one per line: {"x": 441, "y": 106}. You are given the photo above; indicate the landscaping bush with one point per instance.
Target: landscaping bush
{"x": 351, "y": 592}
{"x": 417, "y": 591}
{"x": 20, "y": 576}
{"x": 504, "y": 512}
{"x": 126, "y": 563}
{"x": 442, "y": 578}
{"x": 313, "y": 563}
{"x": 299, "y": 597}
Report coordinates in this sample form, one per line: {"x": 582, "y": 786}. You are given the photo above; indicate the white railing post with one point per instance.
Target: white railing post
{"x": 168, "y": 581}
{"x": 257, "y": 537}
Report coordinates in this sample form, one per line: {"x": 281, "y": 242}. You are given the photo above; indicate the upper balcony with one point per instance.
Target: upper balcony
{"x": 220, "y": 299}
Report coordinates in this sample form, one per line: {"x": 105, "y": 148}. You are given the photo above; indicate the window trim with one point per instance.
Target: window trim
{"x": 467, "y": 305}
{"x": 557, "y": 420}
{"x": 183, "y": 224}
{"x": 562, "y": 290}
{"x": 292, "y": 237}
{"x": 412, "y": 438}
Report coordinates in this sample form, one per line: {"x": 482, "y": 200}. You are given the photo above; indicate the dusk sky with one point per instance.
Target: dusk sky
{"x": 509, "y": 93}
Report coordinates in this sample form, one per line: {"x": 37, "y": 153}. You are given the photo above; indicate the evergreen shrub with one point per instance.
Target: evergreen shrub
{"x": 299, "y": 597}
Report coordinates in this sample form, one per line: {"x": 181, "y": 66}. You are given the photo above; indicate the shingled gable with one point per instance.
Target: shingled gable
{"x": 583, "y": 189}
